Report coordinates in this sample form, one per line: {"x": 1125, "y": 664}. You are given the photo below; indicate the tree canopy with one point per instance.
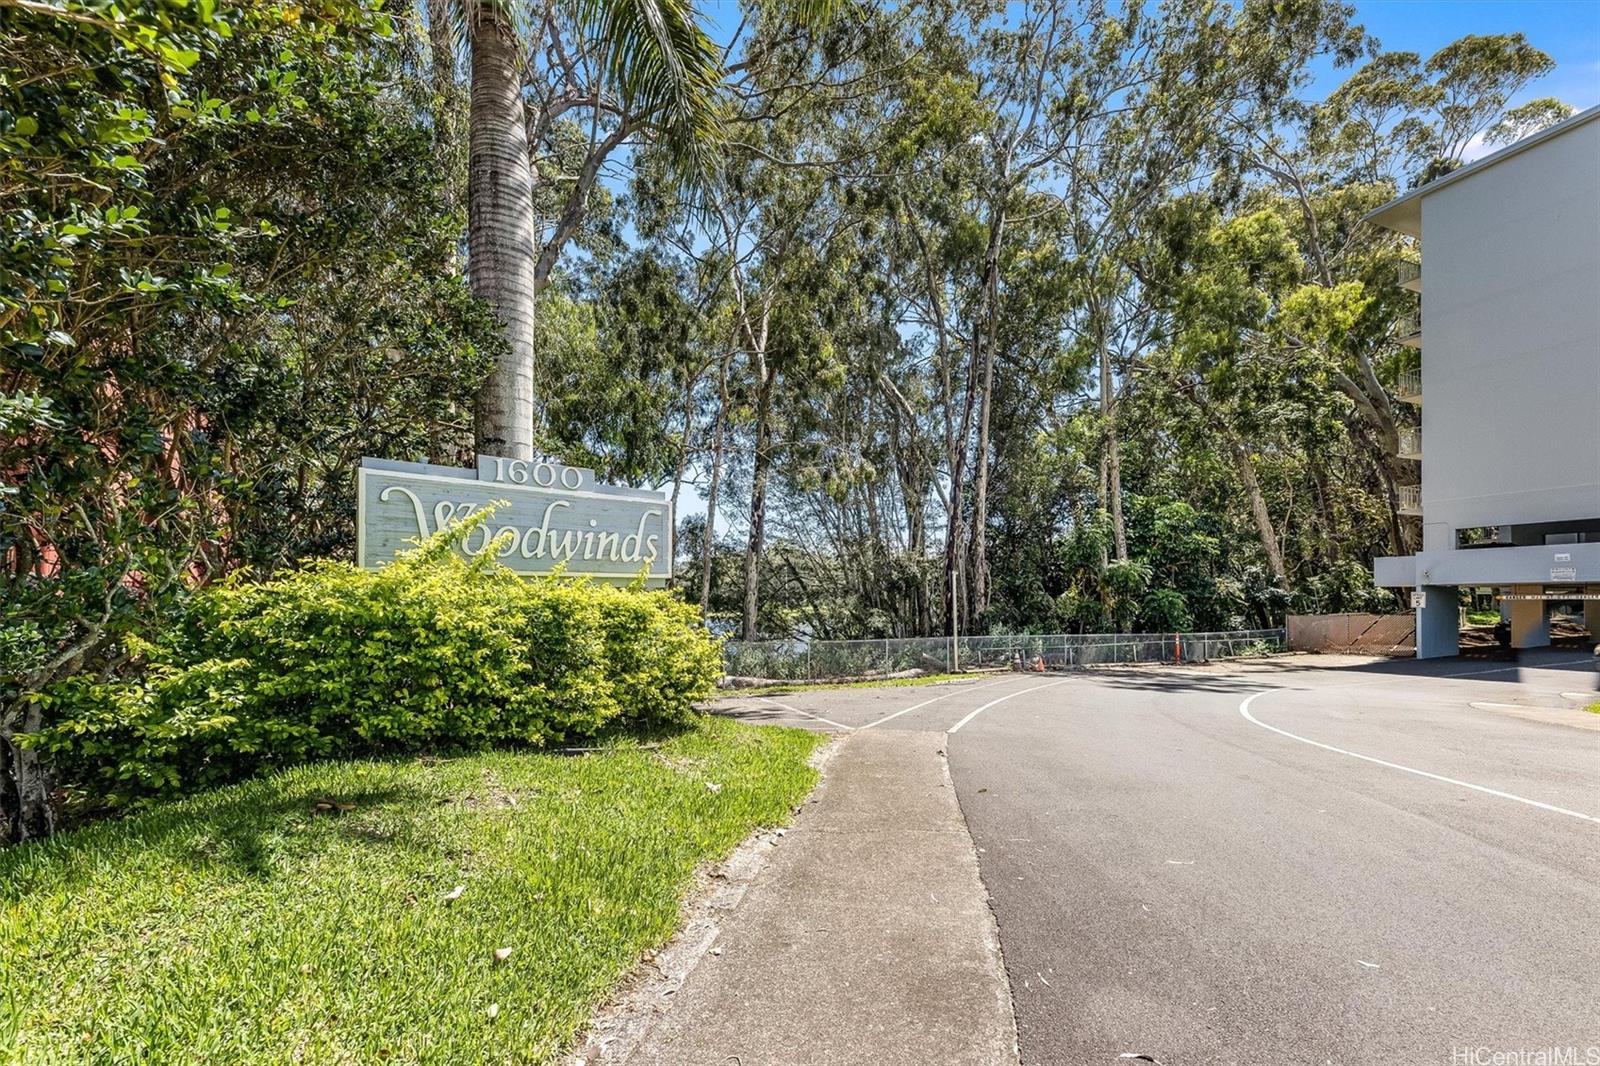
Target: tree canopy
{"x": 1056, "y": 314}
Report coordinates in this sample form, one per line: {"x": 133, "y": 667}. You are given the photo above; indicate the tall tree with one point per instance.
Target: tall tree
{"x": 649, "y": 66}
{"x": 500, "y": 247}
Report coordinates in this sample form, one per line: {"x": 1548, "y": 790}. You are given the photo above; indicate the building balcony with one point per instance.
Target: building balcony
{"x": 1408, "y": 386}
{"x": 1527, "y": 565}
{"x": 1410, "y": 444}
{"x": 1408, "y": 275}
{"x": 1410, "y": 499}
{"x": 1408, "y": 330}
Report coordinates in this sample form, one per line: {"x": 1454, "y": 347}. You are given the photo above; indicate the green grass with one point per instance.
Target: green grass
{"x": 1593, "y": 708}
{"x": 238, "y": 926}
{"x": 824, "y": 686}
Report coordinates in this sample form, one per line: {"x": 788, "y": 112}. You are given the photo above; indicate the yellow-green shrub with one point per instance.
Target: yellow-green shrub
{"x": 432, "y": 652}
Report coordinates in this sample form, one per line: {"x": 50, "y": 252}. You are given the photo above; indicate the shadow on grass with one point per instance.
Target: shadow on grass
{"x": 236, "y": 831}
{"x": 241, "y": 829}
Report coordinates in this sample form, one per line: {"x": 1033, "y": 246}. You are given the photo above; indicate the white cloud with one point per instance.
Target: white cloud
{"x": 1476, "y": 149}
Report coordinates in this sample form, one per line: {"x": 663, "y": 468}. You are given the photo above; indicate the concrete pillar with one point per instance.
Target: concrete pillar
{"x": 1530, "y": 619}
{"x": 1591, "y": 612}
{"x": 1438, "y": 622}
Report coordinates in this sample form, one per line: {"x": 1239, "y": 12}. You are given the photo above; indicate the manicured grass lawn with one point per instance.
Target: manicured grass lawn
{"x": 239, "y": 926}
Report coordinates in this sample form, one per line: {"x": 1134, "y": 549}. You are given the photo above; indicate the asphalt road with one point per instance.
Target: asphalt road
{"x": 1303, "y": 860}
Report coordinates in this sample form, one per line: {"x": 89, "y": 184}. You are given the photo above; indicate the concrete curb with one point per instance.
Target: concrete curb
{"x": 621, "y": 1023}
{"x": 991, "y": 930}
{"x": 866, "y": 937}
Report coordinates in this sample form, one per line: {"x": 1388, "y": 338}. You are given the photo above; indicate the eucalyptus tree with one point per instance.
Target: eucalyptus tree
{"x": 1396, "y": 121}
{"x": 761, "y": 227}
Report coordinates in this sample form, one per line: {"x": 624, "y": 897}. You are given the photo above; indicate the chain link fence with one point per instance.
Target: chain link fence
{"x": 799, "y": 660}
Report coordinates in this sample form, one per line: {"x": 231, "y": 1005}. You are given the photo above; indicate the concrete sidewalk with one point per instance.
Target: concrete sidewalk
{"x": 867, "y": 939}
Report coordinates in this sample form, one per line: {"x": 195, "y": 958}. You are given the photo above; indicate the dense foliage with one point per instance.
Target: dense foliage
{"x": 430, "y": 653}
{"x": 224, "y": 276}
{"x": 1064, "y": 315}
{"x": 1054, "y": 314}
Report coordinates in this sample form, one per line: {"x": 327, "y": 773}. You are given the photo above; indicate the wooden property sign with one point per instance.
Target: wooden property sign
{"x": 557, "y": 517}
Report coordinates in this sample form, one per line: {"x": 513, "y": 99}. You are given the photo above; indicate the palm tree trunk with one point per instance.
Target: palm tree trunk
{"x": 501, "y": 253}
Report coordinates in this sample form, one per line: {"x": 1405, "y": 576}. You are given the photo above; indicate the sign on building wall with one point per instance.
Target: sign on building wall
{"x": 556, "y": 516}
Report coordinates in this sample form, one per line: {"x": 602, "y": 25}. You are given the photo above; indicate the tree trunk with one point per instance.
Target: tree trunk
{"x": 681, "y": 469}
{"x": 1258, "y": 510}
{"x": 25, "y": 809}
{"x": 1111, "y": 463}
{"x": 954, "y": 571}
{"x": 1319, "y": 479}
{"x": 501, "y": 253}
{"x": 758, "y": 502}
{"x": 1265, "y": 529}
{"x": 710, "y": 548}
{"x": 446, "y": 109}
{"x": 980, "y": 499}
{"x": 1119, "y": 527}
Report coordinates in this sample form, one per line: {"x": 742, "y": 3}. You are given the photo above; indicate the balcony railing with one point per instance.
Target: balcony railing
{"x": 1410, "y": 444}
{"x": 1408, "y": 330}
{"x": 1408, "y": 385}
{"x": 1410, "y": 498}
{"x": 1408, "y": 275}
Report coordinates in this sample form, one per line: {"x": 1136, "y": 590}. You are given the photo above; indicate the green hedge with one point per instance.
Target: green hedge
{"x": 429, "y": 653}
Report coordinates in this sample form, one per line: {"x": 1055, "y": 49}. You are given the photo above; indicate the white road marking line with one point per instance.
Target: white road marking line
{"x": 1244, "y": 709}
{"x": 807, "y": 714}
{"x": 958, "y": 690}
{"x": 1009, "y": 695}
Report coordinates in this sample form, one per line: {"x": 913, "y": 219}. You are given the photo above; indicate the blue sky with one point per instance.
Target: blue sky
{"x": 1567, "y": 30}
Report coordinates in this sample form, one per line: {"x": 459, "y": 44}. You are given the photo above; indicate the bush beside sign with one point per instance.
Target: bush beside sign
{"x": 553, "y": 517}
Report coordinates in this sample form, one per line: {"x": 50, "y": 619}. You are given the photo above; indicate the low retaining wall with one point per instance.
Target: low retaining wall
{"x": 1376, "y": 634}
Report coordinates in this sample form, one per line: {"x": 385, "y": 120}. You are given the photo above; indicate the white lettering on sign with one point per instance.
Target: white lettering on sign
{"x": 536, "y": 472}
{"x": 537, "y": 542}
{"x": 546, "y": 516}
{"x": 1563, "y": 573}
